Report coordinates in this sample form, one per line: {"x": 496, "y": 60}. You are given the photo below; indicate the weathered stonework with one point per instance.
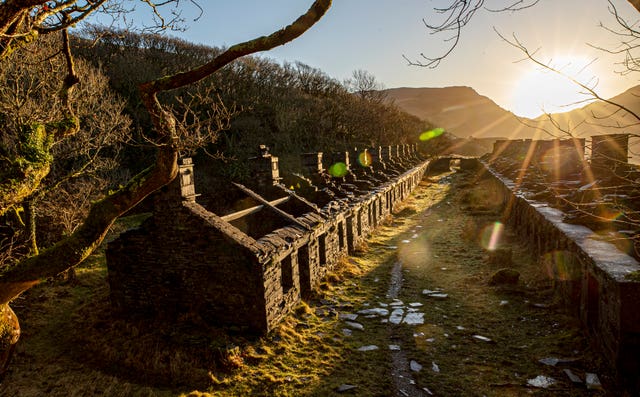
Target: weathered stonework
{"x": 593, "y": 278}
{"x": 246, "y": 262}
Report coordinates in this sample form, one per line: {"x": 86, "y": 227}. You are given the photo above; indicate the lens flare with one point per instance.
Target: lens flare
{"x": 338, "y": 170}
{"x": 434, "y": 133}
{"x": 364, "y": 159}
{"x": 490, "y": 237}
{"x": 611, "y": 214}
{"x": 415, "y": 253}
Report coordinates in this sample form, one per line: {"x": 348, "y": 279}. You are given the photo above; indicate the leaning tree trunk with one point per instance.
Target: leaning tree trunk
{"x": 73, "y": 249}
{"x": 9, "y": 335}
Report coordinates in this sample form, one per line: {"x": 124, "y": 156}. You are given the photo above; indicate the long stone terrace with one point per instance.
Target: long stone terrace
{"x": 245, "y": 261}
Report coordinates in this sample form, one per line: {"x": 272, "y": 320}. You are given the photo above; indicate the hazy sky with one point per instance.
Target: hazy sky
{"x": 373, "y": 35}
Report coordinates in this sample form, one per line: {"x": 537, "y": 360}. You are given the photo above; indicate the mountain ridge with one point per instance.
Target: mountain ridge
{"x": 465, "y": 113}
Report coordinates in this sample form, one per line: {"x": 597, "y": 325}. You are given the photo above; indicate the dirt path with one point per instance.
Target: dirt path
{"x": 411, "y": 314}
{"x": 478, "y": 339}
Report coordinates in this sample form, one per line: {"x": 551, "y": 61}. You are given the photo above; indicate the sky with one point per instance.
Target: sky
{"x": 374, "y": 35}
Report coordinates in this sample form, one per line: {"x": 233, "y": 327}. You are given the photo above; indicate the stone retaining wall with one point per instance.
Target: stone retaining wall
{"x": 595, "y": 280}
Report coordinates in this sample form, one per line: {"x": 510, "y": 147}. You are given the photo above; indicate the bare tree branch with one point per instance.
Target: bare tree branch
{"x": 515, "y": 42}
{"x": 77, "y": 246}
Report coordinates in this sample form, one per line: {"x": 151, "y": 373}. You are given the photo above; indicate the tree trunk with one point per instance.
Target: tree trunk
{"x": 75, "y": 248}
{"x": 30, "y": 220}
{"x": 9, "y": 335}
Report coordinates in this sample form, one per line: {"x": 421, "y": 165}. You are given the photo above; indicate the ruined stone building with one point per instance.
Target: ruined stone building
{"x": 542, "y": 184}
{"x": 246, "y": 261}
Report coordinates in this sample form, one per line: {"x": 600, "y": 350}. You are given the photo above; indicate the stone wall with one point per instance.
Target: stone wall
{"x": 248, "y": 264}
{"x": 595, "y": 280}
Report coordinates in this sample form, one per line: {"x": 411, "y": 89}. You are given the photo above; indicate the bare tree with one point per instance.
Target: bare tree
{"x": 366, "y": 86}
{"x": 28, "y": 93}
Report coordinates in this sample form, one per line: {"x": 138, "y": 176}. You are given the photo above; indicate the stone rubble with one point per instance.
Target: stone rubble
{"x": 541, "y": 381}
{"x": 592, "y": 381}
{"x": 572, "y": 377}
{"x": 415, "y": 367}
{"x": 368, "y": 348}
{"x": 354, "y": 325}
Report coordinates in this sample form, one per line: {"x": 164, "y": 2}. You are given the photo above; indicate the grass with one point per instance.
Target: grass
{"x": 72, "y": 344}
{"x": 522, "y": 321}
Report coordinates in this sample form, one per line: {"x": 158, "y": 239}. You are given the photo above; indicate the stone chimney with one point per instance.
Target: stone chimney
{"x": 265, "y": 168}
{"x": 182, "y": 188}
{"x": 187, "y": 181}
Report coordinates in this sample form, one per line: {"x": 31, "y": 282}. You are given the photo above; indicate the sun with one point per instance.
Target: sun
{"x": 540, "y": 90}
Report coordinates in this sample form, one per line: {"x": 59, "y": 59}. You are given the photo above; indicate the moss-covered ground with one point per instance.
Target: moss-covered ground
{"x": 72, "y": 344}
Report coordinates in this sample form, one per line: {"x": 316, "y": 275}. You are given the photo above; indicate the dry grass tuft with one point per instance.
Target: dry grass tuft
{"x": 302, "y": 308}
{"x": 361, "y": 248}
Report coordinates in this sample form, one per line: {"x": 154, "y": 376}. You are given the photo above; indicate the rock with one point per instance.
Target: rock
{"x": 347, "y": 316}
{"x": 438, "y": 295}
{"x": 347, "y": 332}
{"x": 504, "y": 276}
{"x": 415, "y": 367}
{"x": 541, "y": 381}
{"x": 482, "y": 338}
{"x": 396, "y": 316}
{"x": 378, "y": 311}
{"x": 394, "y": 347}
{"x": 345, "y": 387}
{"x": 416, "y": 304}
{"x": 540, "y": 305}
{"x": 592, "y": 381}
{"x": 368, "y": 348}
{"x": 434, "y": 367}
{"x": 572, "y": 377}
{"x": 552, "y": 361}
{"x": 354, "y": 325}
{"x": 414, "y": 319}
